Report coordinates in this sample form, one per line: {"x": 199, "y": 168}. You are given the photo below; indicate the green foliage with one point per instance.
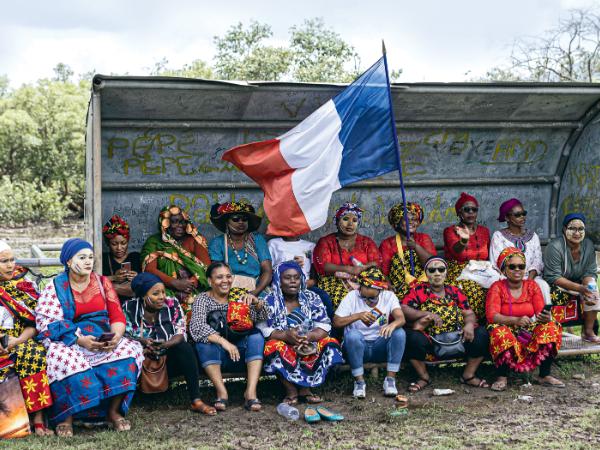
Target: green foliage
{"x": 196, "y": 69}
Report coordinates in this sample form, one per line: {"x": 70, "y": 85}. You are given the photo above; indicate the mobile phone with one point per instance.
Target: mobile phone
{"x": 548, "y": 308}
{"x": 157, "y": 343}
{"x": 105, "y": 337}
{"x": 4, "y": 341}
{"x": 126, "y": 266}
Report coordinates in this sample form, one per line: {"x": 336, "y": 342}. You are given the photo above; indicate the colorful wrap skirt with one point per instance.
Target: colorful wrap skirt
{"x": 474, "y": 292}
{"x": 305, "y": 371}
{"x": 523, "y": 349}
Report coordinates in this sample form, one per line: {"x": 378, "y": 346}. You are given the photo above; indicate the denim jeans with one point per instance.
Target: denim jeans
{"x": 251, "y": 348}
{"x": 359, "y": 351}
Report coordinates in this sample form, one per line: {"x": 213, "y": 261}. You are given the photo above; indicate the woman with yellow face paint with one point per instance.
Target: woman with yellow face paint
{"x": 570, "y": 270}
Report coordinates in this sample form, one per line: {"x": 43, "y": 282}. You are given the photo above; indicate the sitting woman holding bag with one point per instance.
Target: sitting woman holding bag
{"x": 440, "y": 313}
{"x": 158, "y": 323}
{"x": 222, "y": 325}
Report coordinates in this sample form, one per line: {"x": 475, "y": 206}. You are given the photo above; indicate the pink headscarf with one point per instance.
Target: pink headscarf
{"x": 506, "y": 207}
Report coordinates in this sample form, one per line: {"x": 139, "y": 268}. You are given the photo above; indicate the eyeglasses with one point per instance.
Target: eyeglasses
{"x": 436, "y": 269}
{"x": 516, "y": 266}
{"x": 519, "y": 214}
{"x": 576, "y": 229}
{"x": 470, "y": 209}
{"x": 239, "y": 219}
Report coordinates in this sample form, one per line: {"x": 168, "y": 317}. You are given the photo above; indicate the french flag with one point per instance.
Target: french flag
{"x": 348, "y": 139}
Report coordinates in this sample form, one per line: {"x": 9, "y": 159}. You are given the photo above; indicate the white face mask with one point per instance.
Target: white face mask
{"x": 575, "y": 231}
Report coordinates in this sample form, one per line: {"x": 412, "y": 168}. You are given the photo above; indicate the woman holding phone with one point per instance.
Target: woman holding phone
{"x": 119, "y": 265}
{"x": 92, "y": 369}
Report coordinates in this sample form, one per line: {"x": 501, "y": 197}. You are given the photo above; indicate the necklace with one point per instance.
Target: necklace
{"x": 242, "y": 255}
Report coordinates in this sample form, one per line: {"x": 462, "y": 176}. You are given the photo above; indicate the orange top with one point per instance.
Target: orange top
{"x": 499, "y": 300}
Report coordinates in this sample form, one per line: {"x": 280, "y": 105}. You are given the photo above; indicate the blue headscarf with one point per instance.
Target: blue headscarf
{"x": 142, "y": 283}
{"x": 573, "y": 216}
{"x": 311, "y": 304}
{"x": 71, "y": 247}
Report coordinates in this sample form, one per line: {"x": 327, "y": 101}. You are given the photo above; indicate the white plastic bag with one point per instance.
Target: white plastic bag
{"x": 481, "y": 272}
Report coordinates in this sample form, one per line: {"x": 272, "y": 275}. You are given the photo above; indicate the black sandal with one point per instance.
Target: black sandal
{"x": 311, "y": 399}
{"x": 482, "y": 382}
{"x": 249, "y": 405}
{"x": 221, "y": 404}
{"x": 416, "y": 386}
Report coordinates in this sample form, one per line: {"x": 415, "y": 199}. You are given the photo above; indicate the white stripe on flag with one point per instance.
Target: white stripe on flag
{"x": 313, "y": 148}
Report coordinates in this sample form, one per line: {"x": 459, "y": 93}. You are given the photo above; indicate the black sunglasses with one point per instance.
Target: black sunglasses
{"x": 516, "y": 266}
{"x": 370, "y": 299}
{"x": 470, "y": 209}
{"x": 436, "y": 269}
{"x": 239, "y": 219}
{"x": 519, "y": 214}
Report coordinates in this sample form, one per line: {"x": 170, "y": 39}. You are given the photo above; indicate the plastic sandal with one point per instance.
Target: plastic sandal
{"x": 64, "y": 430}
{"x": 120, "y": 425}
{"x": 329, "y": 415}
{"x": 311, "y": 399}
{"x": 482, "y": 383}
{"x": 42, "y": 430}
{"x": 292, "y": 401}
{"x": 221, "y": 404}
{"x": 253, "y": 405}
{"x": 416, "y": 386}
{"x": 311, "y": 415}
{"x": 201, "y": 407}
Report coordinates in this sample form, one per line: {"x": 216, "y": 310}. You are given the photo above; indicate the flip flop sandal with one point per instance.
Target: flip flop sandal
{"x": 560, "y": 385}
{"x": 64, "y": 430}
{"x": 401, "y": 401}
{"x": 120, "y": 425}
{"x": 311, "y": 399}
{"x": 221, "y": 404}
{"x": 482, "y": 383}
{"x": 42, "y": 430}
{"x": 590, "y": 339}
{"x": 292, "y": 401}
{"x": 329, "y": 415}
{"x": 200, "y": 407}
{"x": 311, "y": 415}
{"x": 416, "y": 386}
{"x": 253, "y": 405}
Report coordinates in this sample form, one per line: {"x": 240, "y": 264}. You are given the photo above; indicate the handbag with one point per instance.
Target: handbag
{"x": 409, "y": 279}
{"x": 449, "y": 345}
{"x": 217, "y": 320}
{"x": 239, "y": 281}
{"x": 153, "y": 376}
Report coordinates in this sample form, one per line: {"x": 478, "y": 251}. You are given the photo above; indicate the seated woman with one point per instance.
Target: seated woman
{"x": 92, "y": 368}
{"x": 435, "y": 307}
{"x": 119, "y": 265}
{"x": 18, "y": 299}
{"x": 240, "y": 247}
{"x": 369, "y": 336}
{"x": 516, "y": 235}
{"x": 178, "y": 255}
{"x": 343, "y": 255}
{"x": 298, "y": 349}
{"x": 158, "y": 323}
{"x": 214, "y": 350}
{"x": 522, "y": 333}
{"x": 467, "y": 241}
{"x": 569, "y": 265}
{"x": 395, "y": 264}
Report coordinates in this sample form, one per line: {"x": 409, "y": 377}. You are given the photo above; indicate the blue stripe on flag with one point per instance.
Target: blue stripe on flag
{"x": 367, "y": 136}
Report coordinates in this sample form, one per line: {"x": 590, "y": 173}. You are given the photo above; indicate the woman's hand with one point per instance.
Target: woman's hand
{"x": 249, "y": 299}
{"x": 366, "y": 317}
{"x": 185, "y": 286}
{"x": 387, "y": 330}
{"x": 437, "y": 320}
{"x": 469, "y": 332}
{"x": 90, "y": 343}
{"x": 463, "y": 232}
{"x": 544, "y": 316}
{"x": 523, "y": 321}
{"x": 109, "y": 346}
{"x": 121, "y": 276}
{"x": 233, "y": 351}
{"x": 292, "y": 338}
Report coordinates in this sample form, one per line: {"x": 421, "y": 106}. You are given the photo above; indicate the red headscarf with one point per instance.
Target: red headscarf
{"x": 114, "y": 227}
{"x": 507, "y": 253}
{"x": 464, "y": 198}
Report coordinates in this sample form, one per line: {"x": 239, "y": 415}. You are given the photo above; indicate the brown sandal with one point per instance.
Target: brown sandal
{"x": 64, "y": 430}
{"x": 310, "y": 398}
{"x": 418, "y": 385}
{"x": 201, "y": 407}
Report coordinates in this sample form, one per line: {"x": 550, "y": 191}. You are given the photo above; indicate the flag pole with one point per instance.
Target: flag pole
{"x": 398, "y": 157}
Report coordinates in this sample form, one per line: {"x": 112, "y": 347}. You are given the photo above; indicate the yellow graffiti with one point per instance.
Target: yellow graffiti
{"x": 198, "y": 205}
{"x": 584, "y": 175}
{"x": 517, "y": 151}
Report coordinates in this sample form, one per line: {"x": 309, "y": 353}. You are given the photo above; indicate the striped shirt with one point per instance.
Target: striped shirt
{"x": 169, "y": 321}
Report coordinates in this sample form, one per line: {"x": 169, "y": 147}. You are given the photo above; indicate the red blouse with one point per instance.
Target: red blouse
{"x": 499, "y": 300}
{"x": 328, "y": 251}
{"x": 477, "y": 248}
{"x": 92, "y": 300}
{"x": 388, "y": 249}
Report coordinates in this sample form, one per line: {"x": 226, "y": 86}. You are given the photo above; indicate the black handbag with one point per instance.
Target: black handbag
{"x": 217, "y": 320}
{"x": 448, "y": 345}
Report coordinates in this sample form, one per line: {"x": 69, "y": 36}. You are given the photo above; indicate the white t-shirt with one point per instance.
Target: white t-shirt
{"x": 286, "y": 250}
{"x": 353, "y": 303}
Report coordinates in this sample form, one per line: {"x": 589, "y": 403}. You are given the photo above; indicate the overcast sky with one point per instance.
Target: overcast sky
{"x": 431, "y": 40}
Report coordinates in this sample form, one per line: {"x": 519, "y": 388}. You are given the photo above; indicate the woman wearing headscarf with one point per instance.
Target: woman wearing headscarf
{"x": 341, "y": 256}
{"x": 178, "y": 255}
{"x": 240, "y": 246}
{"x": 298, "y": 348}
{"x": 569, "y": 267}
{"x": 464, "y": 242}
{"x": 119, "y": 264}
{"x": 92, "y": 368}
{"x": 517, "y": 235}
{"x": 158, "y": 323}
{"x": 396, "y": 264}
{"x": 18, "y": 299}
{"x": 522, "y": 333}
{"x": 434, "y": 307}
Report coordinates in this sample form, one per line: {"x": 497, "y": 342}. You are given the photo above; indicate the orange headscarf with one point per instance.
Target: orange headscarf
{"x": 507, "y": 253}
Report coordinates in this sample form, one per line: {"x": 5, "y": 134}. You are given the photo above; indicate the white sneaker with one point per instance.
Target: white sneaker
{"x": 360, "y": 389}
{"x": 389, "y": 387}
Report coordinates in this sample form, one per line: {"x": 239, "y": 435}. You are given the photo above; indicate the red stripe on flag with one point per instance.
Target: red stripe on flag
{"x": 263, "y": 162}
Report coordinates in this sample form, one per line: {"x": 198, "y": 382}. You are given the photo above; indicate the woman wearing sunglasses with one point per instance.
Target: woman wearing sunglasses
{"x": 464, "y": 242}
{"x": 245, "y": 251}
{"x": 570, "y": 268}
{"x": 522, "y": 333}
{"x": 432, "y": 308}
{"x": 517, "y": 235}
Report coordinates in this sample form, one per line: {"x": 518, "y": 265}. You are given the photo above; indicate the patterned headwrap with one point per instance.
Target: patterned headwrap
{"x": 115, "y": 226}
{"x": 464, "y": 198}
{"x": 220, "y": 213}
{"x": 234, "y": 207}
{"x": 507, "y": 253}
{"x": 396, "y": 214}
{"x": 573, "y": 216}
{"x": 164, "y": 217}
{"x": 506, "y": 207}
{"x": 373, "y": 277}
{"x": 433, "y": 259}
{"x": 348, "y": 208}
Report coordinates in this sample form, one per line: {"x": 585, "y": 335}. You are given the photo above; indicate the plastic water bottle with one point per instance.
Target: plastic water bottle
{"x": 305, "y": 327}
{"x": 355, "y": 262}
{"x": 288, "y": 411}
{"x": 592, "y": 286}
